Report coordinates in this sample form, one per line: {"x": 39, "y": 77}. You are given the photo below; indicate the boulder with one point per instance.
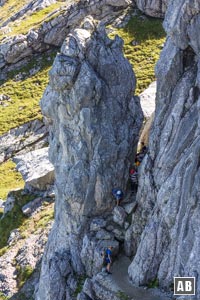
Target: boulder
{"x": 15, "y": 235}
{"x": 97, "y": 224}
{"x": 129, "y": 207}
{"x": 31, "y": 206}
{"x": 102, "y": 287}
{"x": 25, "y": 138}
{"x": 36, "y": 169}
{"x": 119, "y": 215}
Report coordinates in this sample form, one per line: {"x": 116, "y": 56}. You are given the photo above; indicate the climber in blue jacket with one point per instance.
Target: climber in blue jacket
{"x": 118, "y": 195}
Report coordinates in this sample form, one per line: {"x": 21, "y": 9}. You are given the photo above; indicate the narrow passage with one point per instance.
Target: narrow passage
{"x": 120, "y": 276}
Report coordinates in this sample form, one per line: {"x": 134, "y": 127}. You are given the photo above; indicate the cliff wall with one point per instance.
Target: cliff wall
{"x": 165, "y": 228}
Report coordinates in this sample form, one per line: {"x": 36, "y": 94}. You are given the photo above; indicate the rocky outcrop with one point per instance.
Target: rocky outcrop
{"x": 165, "y": 230}
{"x": 23, "y": 254}
{"x": 94, "y": 124}
{"x": 53, "y": 32}
{"x": 153, "y": 8}
{"x": 30, "y": 136}
{"x": 30, "y": 7}
{"x": 36, "y": 169}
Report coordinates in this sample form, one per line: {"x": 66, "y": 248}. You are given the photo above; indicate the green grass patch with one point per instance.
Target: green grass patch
{"x": 3, "y": 297}
{"x": 153, "y": 284}
{"x": 13, "y": 219}
{"x": 143, "y": 39}
{"x": 45, "y": 216}
{"x": 10, "y": 179}
{"x": 23, "y": 274}
{"x": 80, "y": 282}
{"x": 10, "y": 8}
{"x": 25, "y": 94}
{"x": 31, "y": 21}
{"x": 123, "y": 296}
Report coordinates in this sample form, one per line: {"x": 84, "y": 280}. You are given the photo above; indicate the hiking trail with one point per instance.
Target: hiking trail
{"x": 120, "y": 276}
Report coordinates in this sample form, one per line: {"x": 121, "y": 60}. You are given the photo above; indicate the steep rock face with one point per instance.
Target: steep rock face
{"x": 153, "y": 8}
{"x": 94, "y": 130}
{"x": 165, "y": 230}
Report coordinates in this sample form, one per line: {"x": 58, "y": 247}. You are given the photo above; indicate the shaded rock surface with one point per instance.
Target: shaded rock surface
{"x": 94, "y": 124}
{"x": 165, "y": 229}
{"x": 30, "y": 136}
{"x": 36, "y": 169}
{"x": 153, "y": 8}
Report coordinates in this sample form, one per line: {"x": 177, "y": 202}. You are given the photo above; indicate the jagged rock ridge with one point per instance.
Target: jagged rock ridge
{"x": 94, "y": 130}
{"x": 165, "y": 230}
{"x": 53, "y": 32}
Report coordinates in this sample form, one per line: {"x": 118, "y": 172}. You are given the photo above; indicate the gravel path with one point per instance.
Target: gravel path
{"x": 120, "y": 276}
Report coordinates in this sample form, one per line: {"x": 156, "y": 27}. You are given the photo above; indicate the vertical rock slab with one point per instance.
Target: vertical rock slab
{"x": 153, "y": 8}
{"x": 94, "y": 124}
{"x": 165, "y": 230}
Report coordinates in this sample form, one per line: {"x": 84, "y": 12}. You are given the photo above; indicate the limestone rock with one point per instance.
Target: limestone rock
{"x": 9, "y": 203}
{"x": 94, "y": 124}
{"x": 119, "y": 215}
{"x": 14, "y": 237}
{"x": 147, "y": 100}
{"x": 36, "y": 169}
{"x": 53, "y": 32}
{"x": 30, "y": 136}
{"x": 97, "y": 224}
{"x": 101, "y": 287}
{"x": 153, "y": 8}
{"x": 2, "y": 203}
{"x": 167, "y": 240}
{"x": 31, "y": 206}
{"x": 129, "y": 207}
{"x": 145, "y": 132}
{"x": 92, "y": 252}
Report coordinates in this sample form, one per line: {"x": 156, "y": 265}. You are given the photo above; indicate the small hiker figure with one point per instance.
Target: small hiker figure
{"x": 137, "y": 162}
{"x": 144, "y": 148}
{"x": 134, "y": 179}
{"x": 108, "y": 259}
{"x": 118, "y": 194}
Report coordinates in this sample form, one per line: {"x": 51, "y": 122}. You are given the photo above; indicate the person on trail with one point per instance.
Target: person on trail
{"x": 108, "y": 259}
{"x": 137, "y": 163}
{"x": 134, "y": 179}
{"x": 144, "y": 148}
{"x": 118, "y": 194}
